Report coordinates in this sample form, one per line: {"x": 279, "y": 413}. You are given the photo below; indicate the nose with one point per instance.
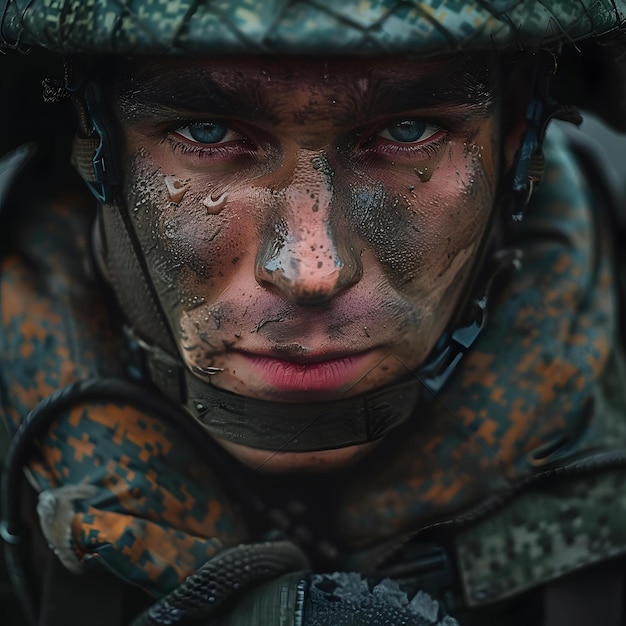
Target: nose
{"x": 308, "y": 254}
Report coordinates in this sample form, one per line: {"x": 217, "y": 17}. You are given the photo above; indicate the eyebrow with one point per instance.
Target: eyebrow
{"x": 473, "y": 88}
{"x": 155, "y": 94}
{"x": 165, "y": 93}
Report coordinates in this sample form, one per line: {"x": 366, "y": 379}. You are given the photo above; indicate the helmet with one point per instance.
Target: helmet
{"x": 424, "y": 27}
{"x": 374, "y": 28}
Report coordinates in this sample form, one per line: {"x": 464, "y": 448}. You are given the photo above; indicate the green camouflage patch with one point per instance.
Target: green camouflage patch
{"x": 543, "y": 535}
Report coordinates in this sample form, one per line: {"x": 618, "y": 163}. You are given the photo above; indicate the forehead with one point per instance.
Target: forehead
{"x": 262, "y": 84}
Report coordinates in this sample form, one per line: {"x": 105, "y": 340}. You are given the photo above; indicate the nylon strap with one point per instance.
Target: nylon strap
{"x": 83, "y": 151}
{"x": 302, "y": 427}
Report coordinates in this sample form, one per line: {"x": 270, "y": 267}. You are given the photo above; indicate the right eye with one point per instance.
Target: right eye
{"x": 207, "y": 133}
{"x": 410, "y": 131}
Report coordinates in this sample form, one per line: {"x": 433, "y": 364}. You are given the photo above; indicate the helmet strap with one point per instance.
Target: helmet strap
{"x": 93, "y": 153}
{"x": 527, "y": 170}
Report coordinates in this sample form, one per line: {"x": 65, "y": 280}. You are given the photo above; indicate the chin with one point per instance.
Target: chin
{"x": 315, "y": 462}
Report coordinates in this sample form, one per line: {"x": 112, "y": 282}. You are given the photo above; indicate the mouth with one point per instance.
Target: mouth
{"x": 311, "y": 372}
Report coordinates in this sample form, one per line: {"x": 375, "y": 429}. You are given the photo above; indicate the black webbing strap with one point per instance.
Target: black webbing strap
{"x": 594, "y": 597}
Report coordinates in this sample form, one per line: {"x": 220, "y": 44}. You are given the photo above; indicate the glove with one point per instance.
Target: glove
{"x": 340, "y": 599}
{"x": 218, "y": 596}
{"x": 220, "y": 582}
{"x": 121, "y": 486}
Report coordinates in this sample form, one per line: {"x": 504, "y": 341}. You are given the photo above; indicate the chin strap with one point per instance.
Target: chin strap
{"x": 518, "y": 187}
{"x": 454, "y": 344}
{"x": 278, "y": 426}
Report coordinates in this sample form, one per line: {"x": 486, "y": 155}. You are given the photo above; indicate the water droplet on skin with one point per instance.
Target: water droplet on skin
{"x": 215, "y": 205}
{"x": 424, "y": 174}
{"x": 176, "y": 188}
{"x": 411, "y": 187}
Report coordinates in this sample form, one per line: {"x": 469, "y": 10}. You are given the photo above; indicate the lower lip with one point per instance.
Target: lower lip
{"x": 333, "y": 374}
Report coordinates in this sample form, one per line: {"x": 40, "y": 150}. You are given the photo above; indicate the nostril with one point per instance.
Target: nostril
{"x": 305, "y": 280}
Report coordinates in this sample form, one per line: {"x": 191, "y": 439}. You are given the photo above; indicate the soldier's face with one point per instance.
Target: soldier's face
{"x": 309, "y": 225}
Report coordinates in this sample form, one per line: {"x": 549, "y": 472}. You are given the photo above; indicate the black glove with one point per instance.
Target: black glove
{"x": 220, "y": 582}
{"x": 337, "y": 599}
{"x": 231, "y": 590}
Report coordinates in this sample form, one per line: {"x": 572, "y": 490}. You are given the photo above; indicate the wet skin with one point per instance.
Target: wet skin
{"x": 309, "y": 225}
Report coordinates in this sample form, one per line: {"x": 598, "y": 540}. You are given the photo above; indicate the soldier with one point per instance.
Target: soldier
{"x": 338, "y": 342}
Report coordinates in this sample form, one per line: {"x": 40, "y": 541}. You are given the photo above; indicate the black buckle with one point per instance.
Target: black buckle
{"x": 104, "y": 164}
{"x": 453, "y": 345}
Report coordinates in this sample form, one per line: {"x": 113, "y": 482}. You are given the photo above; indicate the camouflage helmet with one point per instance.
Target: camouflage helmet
{"x": 348, "y": 28}
{"x": 303, "y": 26}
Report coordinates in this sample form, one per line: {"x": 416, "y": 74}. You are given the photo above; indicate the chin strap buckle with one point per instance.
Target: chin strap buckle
{"x": 93, "y": 153}
{"x": 149, "y": 362}
{"x": 453, "y": 345}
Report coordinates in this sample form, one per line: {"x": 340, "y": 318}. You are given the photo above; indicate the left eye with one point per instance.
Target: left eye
{"x": 207, "y": 132}
{"x": 409, "y": 131}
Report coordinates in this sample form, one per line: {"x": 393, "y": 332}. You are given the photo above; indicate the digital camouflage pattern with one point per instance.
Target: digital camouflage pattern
{"x": 531, "y": 404}
{"x": 155, "y": 507}
{"x": 307, "y": 27}
{"x": 543, "y": 535}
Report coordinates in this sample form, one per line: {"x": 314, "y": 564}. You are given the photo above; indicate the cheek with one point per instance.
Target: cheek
{"x": 191, "y": 237}
{"x": 421, "y": 231}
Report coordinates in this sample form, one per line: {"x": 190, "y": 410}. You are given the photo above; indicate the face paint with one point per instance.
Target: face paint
{"x": 318, "y": 247}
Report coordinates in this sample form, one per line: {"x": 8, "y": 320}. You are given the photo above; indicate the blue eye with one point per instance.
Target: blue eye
{"x": 204, "y": 132}
{"x": 410, "y": 131}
